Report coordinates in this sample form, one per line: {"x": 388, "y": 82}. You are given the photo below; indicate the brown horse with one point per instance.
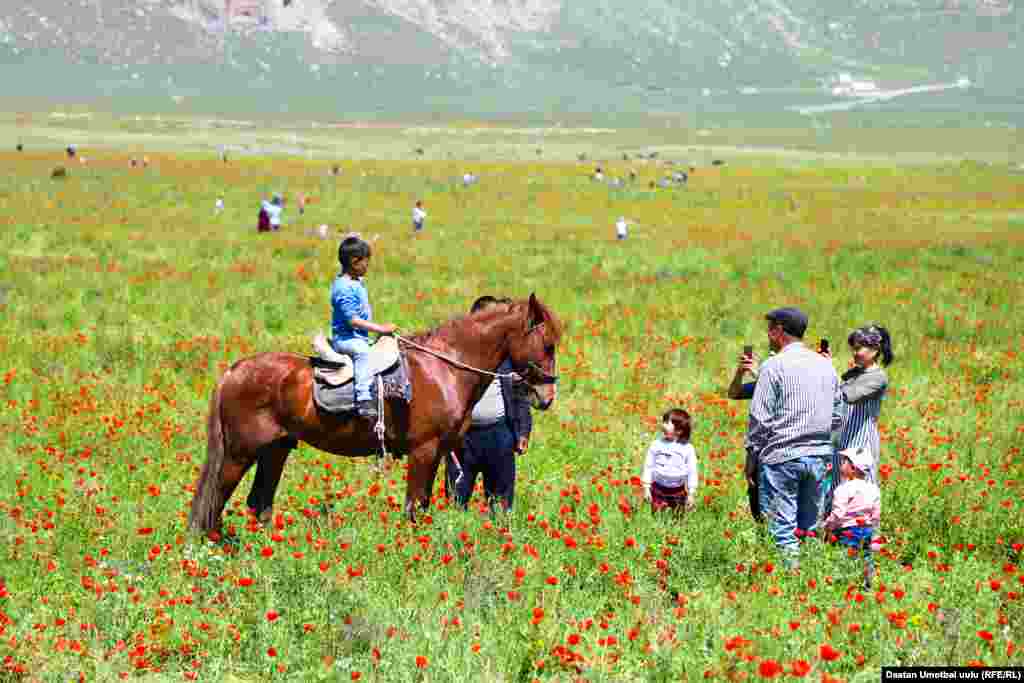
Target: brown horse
{"x": 263, "y": 406}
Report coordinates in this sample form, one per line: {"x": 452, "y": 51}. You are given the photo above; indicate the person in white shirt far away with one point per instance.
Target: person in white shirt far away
{"x": 274, "y": 208}
{"x": 418, "y": 216}
{"x": 621, "y": 228}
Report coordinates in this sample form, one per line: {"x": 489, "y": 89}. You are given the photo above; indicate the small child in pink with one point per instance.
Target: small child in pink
{"x": 856, "y": 506}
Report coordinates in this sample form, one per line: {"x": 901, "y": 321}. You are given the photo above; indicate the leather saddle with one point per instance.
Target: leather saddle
{"x": 335, "y": 369}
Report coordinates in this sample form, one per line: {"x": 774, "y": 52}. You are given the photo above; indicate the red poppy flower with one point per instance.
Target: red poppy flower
{"x": 800, "y": 668}
{"x": 271, "y": 651}
{"x": 245, "y": 582}
{"x": 829, "y": 653}
{"x": 985, "y": 635}
{"x": 145, "y": 531}
{"x": 272, "y": 615}
{"x": 421, "y": 662}
{"x": 769, "y": 668}
{"x": 538, "y": 615}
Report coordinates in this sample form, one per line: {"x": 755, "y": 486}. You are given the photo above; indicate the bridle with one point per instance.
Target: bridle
{"x": 537, "y": 375}
{"x": 531, "y": 373}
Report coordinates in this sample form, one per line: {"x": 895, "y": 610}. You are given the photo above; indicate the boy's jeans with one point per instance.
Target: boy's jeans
{"x": 359, "y": 351}
{"x": 791, "y": 498}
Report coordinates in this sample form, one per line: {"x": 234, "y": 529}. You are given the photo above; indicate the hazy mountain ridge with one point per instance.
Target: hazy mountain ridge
{"x": 652, "y": 46}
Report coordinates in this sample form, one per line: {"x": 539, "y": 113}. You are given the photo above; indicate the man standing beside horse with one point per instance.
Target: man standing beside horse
{"x": 500, "y": 427}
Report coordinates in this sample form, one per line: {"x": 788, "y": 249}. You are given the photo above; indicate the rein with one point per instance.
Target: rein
{"x": 514, "y": 376}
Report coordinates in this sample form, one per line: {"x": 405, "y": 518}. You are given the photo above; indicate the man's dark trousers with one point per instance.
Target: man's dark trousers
{"x": 490, "y": 451}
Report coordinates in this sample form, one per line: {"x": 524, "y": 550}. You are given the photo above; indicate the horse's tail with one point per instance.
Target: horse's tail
{"x": 206, "y": 504}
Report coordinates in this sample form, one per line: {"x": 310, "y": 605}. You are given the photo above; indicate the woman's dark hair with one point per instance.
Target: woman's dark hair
{"x": 350, "y": 249}
{"x": 681, "y": 422}
{"x": 482, "y": 303}
{"x": 876, "y": 337}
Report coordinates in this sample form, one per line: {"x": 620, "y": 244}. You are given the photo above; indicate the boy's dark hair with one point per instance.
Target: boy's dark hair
{"x": 876, "y": 337}
{"x": 681, "y": 422}
{"x": 350, "y": 249}
{"x": 483, "y": 302}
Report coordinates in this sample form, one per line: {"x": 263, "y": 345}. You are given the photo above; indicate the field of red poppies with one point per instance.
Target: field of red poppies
{"x": 124, "y": 296}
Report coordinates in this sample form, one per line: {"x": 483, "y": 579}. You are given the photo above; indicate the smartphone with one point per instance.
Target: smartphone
{"x": 823, "y": 345}
{"x": 748, "y": 350}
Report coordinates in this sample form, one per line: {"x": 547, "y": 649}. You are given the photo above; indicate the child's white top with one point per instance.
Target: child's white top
{"x": 418, "y": 214}
{"x": 671, "y": 464}
{"x": 621, "y": 227}
{"x": 273, "y": 212}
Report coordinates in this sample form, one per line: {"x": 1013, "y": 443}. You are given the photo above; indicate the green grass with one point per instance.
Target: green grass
{"x": 124, "y": 297}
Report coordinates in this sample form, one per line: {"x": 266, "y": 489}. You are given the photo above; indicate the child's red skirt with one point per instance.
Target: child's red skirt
{"x": 665, "y": 497}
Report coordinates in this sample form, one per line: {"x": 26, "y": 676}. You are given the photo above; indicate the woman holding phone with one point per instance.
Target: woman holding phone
{"x": 863, "y": 389}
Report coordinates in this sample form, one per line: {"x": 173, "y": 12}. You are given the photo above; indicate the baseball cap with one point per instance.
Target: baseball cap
{"x": 792, "y": 320}
{"x": 860, "y": 457}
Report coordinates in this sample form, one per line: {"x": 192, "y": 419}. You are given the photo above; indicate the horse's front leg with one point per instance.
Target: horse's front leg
{"x": 423, "y": 461}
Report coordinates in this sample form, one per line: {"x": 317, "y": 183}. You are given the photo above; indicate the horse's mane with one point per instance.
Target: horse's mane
{"x": 446, "y": 331}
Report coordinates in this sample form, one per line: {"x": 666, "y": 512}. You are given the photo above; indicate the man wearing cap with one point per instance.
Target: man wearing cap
{"x": 796, "y": 406}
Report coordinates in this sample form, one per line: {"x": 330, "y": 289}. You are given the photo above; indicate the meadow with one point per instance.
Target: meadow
{"x": 124, "y": 296}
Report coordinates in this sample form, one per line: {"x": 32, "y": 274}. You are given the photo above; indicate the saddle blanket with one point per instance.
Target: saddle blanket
{"x": 342, "y": 399}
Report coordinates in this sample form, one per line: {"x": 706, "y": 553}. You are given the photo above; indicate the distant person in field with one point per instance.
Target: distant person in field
{"x": 621, "y": 228}
{"x": 598, "y": 174}
{"x": 218, "y": 206}
{"x": 796, "y": 405}
{"x": 72, "y": 150}
{"x": 418, "y": 216}
{"x": 500, "y": 427}
{"x": 352, "y": 319}
{"x": 670, "y": 477}
{"x": 270, "y": 214}
{"x": 857, "y": 507}
{"x": 302, "y": 203}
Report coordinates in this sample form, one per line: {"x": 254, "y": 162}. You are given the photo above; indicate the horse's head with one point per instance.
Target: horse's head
{"x": 532, "y": 349}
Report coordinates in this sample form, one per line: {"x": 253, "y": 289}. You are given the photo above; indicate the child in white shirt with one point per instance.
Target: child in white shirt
{"x": 418, "y": 215}
{"x": 670, "y": 474}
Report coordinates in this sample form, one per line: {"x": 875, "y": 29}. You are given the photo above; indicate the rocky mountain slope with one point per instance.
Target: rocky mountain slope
{"x": 654, "y": 53}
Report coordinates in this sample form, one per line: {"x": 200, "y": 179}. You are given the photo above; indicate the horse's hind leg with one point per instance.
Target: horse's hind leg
{"x": 269, "y": 466}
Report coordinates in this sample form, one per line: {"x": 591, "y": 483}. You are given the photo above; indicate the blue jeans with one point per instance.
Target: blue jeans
{"x": 359, "y": 351}
{"x": 790, "y": 495}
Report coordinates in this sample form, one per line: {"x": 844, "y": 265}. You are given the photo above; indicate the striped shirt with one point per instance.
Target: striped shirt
{"x": 795, "y": 407}
{"x": 863, "y": 392}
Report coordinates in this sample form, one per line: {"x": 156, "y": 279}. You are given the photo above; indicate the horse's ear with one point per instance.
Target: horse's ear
{"x": 535, "y": 312}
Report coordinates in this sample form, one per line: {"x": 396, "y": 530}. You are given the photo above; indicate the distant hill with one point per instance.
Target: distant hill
{"x": 480, "y": 57}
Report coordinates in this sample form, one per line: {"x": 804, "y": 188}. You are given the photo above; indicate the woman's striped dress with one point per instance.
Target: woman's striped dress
{"x": 863, "y": 392}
